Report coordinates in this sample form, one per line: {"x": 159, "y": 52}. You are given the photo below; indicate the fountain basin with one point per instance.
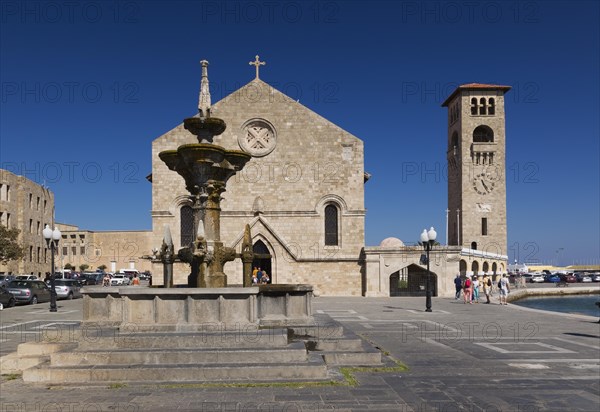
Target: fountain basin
{"x": 211, "y": 126}
{"x": 196, "y": 309}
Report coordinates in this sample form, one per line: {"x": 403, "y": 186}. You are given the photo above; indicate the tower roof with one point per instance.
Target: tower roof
{"x": 475, "y": 86}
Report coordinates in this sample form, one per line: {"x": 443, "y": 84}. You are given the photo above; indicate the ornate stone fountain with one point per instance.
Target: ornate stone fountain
{"x": 206, "y": 168}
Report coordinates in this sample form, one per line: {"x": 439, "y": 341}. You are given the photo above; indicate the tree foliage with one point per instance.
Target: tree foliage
{"x": 102, "y": 267}
{"x": 10, "y": 248}
{"x": 83, "y": 267}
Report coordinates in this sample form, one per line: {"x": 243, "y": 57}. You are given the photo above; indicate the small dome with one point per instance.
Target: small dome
{"x": 391, "y": 242}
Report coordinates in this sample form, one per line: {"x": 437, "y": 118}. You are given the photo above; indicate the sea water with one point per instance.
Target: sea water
{"x": 580, "y": 304}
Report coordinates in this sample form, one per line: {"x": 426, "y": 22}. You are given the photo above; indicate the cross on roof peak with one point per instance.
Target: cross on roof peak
{"x": 257, "y": 63}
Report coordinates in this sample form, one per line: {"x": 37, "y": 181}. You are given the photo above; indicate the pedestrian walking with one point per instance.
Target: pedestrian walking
{"x": 458, "y": 286}
{"x": 504, "y": 289}
{"x": 475, "y": 290}
{"x": 467, "y": 290}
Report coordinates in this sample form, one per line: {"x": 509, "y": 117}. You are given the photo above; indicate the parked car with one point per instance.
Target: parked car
{"x": 27, "y": 277}
{"x": 6, "y": 298}
{"x": 567, "y": 277}
{"x": 537, "y": 278}
{"x": 526, "y": 277}
{"x": 552, "y": 278}
{"x": 595, "y": 277}
{"x": 6, "y": 279}
{"x": 120, "y": 279}
{"x": 91, "y": 279}
{"x": 583, "y": 277}
{"x": 67, "y": 289}
{"x": 29, "y": 291}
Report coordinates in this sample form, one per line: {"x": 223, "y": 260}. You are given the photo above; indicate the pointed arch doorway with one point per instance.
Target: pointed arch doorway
{"x": 262, "y": 258}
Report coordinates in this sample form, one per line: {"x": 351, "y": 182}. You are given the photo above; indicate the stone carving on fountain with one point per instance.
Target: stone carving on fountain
{"x": 206, "y": 168}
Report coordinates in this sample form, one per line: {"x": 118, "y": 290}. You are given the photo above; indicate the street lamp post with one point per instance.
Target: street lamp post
{"x": 52, "y": 238}
{"x": 427, "y": 240}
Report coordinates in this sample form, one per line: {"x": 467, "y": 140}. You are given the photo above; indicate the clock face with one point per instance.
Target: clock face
{"x": 483, "y": 184}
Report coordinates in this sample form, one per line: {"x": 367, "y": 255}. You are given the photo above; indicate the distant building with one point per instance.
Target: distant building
{"x": 115, "y": 249}
{"x": 27, "y": 206}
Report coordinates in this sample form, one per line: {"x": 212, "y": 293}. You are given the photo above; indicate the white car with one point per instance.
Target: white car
{"x": 119, "y": 280}
{"x": 537, "y": 278}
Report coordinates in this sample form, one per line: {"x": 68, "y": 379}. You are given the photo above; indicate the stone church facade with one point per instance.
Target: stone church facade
{"x": 302, "y": 193}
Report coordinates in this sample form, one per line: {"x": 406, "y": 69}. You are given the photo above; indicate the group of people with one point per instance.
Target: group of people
{"x": 260, "y": 276}
{"x": 469, "y": 288}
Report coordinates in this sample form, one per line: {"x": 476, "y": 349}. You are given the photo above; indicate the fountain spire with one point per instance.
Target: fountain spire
{"x": 204, "y": 98}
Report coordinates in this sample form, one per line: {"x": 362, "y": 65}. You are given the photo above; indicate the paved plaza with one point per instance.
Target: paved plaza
{"x": 459, "y": 357}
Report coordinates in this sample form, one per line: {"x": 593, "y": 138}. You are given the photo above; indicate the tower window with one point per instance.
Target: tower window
{"x": 483, "y": 106}
{"x": 331, "y": 225}
{"x": 483, "y": 134}
{"x": 492, "y": 108}
{"x": 474, "y": 245}
{"x": 484, "y": 227}
{"x": 474, "y": 106}
{"x": 186, "y": 225}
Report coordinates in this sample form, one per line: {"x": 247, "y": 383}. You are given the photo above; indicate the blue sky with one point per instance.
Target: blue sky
{"x": 87, "y": 86}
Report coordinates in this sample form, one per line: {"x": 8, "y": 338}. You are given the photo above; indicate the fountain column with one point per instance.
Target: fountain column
{"x": 206, "y": 168}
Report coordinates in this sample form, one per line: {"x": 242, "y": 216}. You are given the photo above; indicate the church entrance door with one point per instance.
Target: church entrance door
{"x": 262, "y": 258}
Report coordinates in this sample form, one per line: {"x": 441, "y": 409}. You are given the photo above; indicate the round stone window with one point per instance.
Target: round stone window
{"x": 258, "y": 137}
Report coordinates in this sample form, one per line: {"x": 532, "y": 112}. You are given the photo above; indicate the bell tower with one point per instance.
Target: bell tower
{"x": 476, "y": 158}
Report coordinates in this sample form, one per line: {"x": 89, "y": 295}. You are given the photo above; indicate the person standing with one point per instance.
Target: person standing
{"x": 467, "y": 290}
{"x": 259, "y": 275}
{"x": 504, "y": 289}
{"x": 135, "y": 281}
{"x": 487, "y": 287}
{"x": 458, "y": 286}
{"x": 475, "y": 289}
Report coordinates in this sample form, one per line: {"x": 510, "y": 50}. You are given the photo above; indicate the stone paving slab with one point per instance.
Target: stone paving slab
{"x": 461, "y": 358}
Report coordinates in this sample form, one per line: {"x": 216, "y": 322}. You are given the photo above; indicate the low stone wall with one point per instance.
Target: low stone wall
{"x": 136, "y": 308}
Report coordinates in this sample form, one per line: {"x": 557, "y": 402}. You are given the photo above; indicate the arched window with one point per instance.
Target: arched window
{"x": 483, "y": 106}
{"x": 474, "y": 106}
{"x": 474, "y": 245}
{"x": 331, "y": 225}
{"x": 492, "y": 108}
{"x": 186, "y": 225}
{"x": 483, "y": 134}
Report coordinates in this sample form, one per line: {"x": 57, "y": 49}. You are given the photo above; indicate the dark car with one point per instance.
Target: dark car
{"x": 6, "y": 298}
{"x": 29, "y": 291}
{"x": 6, "y": 279}
{"x": 91, "y": 279}
{"x": 568, "y": 277}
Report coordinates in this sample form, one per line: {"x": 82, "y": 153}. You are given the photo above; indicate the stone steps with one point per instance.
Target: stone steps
{"x": 255, "y": 355}
{"x": 294, "y": 352}
{"x": 175, "y": 373}
{"x": 270, "y": 338}
{"x": 337, "y": 347}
